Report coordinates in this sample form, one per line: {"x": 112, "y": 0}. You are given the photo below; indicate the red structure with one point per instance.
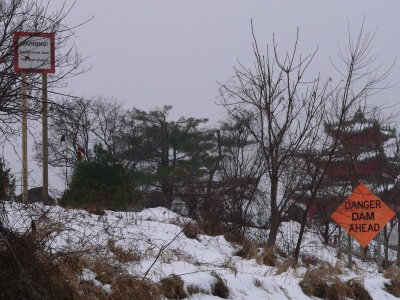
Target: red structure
{"x": 367, "y": 152}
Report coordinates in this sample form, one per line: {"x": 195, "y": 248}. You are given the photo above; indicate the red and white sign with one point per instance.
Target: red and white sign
{"x": 34, "y": 52}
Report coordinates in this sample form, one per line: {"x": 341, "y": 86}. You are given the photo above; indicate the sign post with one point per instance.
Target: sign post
{"x": 34, "y": 53}
{"x": 24, "y": 111}
{"x": 363, "y": 215}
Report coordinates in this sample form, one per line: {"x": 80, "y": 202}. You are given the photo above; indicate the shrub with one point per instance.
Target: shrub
{"x": 100, "y": 181}
{"x": 27, "y": 272}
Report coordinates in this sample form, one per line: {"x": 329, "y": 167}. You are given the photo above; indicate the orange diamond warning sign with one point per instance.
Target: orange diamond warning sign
{"x": 363, "y": 215}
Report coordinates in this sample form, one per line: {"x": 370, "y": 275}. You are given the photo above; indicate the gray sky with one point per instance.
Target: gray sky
{"x": 156, "y": 52}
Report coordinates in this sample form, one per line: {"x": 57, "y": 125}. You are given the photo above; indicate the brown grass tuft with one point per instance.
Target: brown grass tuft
{"x": 220, "y": 289}
{"x": 134, "y": 288}
{"x": 358, "y": 290}
{"x": 191, "y": 231}
{"x": 393, "y": 273}
{"x": 324, "y": 283}
{"x": 27, "y": 272}
{"x": 106, "y": 273}
{"x": 248, "y": 250}
{"x": 172, "y": 287}
{"x": 122, "y": 255}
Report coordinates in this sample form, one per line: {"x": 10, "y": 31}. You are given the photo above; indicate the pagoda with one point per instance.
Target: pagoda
{"x": 362, "y": 155}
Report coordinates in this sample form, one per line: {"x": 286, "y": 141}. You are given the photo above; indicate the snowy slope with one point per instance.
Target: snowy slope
{"x": 195, "y": 260}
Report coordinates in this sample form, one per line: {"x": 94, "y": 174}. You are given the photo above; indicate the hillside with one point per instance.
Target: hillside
{"x": 154, "y": 244}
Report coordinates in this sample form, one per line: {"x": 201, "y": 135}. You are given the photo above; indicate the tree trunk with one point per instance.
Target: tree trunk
{"x": 349, "y": 252}
{"x": 398, "y": 240}
{"x": 339, "y": 244}
{"x": 275, "y": 219}
{"x": 385, "y": 248}
{"x": 326, "y": 234}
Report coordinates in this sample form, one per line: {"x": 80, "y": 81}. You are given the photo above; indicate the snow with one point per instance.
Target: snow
{"x": 195, "y": 260}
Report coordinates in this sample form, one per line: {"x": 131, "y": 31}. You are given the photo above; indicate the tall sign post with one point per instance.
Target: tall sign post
{"x": 363, "y": 215}
{"x": 34, "y": 53}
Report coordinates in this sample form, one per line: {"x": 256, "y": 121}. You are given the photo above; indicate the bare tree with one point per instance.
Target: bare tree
{"x": 359, "y": 79}
{"x": 32, "y": 16}
{"x": 282, "y": 109}
{"x": 78, "y": 124}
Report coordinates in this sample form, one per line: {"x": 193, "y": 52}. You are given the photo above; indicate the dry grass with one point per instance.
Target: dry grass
{"x": 191, "y": 231}
{"x": 393, "y": 273}
{"x": 134, "y": 288}
{"x": 263, "y": 255}
{"x": 106, "y": 273}
{"x": 122, "y": 255}
{"x": 28, "y": 273}
{"x": 325, "y": 284}
{"x": 172, "y": 287}
{"x": 220, "y": 289}
{"x": 282, "y": 267}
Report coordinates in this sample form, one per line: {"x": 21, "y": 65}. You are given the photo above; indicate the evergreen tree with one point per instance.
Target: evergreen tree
{"x": 7, "y": 182}
{"x": 102, "y": 181}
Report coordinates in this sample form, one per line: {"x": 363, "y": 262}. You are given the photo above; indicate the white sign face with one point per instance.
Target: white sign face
{"x": 34, "y": 52}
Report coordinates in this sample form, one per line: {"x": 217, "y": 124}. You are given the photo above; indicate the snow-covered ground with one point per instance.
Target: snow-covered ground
{"x": 162, "y": 249}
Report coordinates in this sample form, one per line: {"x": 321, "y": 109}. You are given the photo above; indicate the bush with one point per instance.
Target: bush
{"x": 100, "y": 181}
{"x": 28, "y": 273}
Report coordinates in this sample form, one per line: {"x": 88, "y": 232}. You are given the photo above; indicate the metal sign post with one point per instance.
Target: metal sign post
{"x": 35, "y": 53}
{"x": 24, "y": 111}
{"x": 45, "y": 140}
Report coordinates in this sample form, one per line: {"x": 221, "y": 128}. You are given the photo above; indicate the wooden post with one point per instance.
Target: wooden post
{"x": 24, "y": 111}
{"x": 45, "y": 140}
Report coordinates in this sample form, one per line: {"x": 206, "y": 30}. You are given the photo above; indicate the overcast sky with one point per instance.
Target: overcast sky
{"x": 156, "y": 52}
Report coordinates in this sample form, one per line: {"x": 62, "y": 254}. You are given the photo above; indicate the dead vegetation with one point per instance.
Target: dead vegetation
{"x": 28, "y": 274}
{"x": 172, "y": 287}
{"x": 122, "y": 255}
{"x": 219, "y": 289}
{"x": 325, "y": 284}
{"x": 191, "y": 231}
{"x": 393, "y": 287}
{"x": 134, "y": 288}
{"x": 262, "y": 254}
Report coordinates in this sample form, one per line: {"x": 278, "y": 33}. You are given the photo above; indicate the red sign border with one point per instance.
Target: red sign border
{"x": 52, "y": 68}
